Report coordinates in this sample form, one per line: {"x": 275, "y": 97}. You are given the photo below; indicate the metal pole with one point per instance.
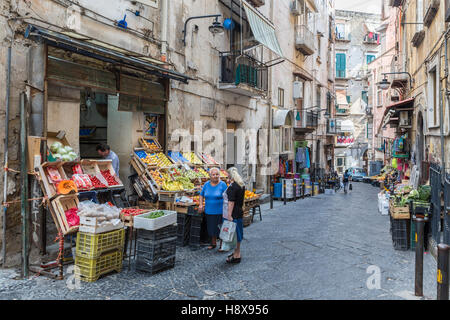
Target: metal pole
{"x": 284, "y": 191}
{"x": 5, "y": 175}
{"x": 271, "y": 192}
{"x": 24, "y": 188}
{"x": 420, "y": 223}
{"x": 295, "y": 189}
{"x": 442, "y": 272}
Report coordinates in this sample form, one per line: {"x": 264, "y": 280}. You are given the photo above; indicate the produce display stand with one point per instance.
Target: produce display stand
{"x": 48, "y": 187}
{"x": 60, "y": 205}
{"x": 144, "y": 142}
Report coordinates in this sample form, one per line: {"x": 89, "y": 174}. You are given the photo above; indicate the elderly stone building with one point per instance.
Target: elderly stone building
{"x": 357, "y": 44}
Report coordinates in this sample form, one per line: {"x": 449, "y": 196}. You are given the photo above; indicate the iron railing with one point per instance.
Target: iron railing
{"x": 436, "y": 188}
{"x": 243, "y": 69}
{"x": 446, "y": 225}
{"x": 308, "y": 119}
{"x": 304, "y": 39}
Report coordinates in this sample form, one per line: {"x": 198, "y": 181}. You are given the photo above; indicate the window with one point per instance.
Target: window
{"x": 340, "y": 31}
{"x": 365, "y": 97}
{"x": 318, "y": 93}
{"x": 280, "y": 97}
{"x": 433, "y": 97}
{"x": 379, "y": 98}
{"x": 370, "y": 58}
{"x": 340, "y": 65}
{"x": 328, "y": 103}
{"x": 286, "y": 139}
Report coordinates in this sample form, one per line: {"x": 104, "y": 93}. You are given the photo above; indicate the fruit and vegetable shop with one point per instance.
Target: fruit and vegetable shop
{"x": 102, "y": 218}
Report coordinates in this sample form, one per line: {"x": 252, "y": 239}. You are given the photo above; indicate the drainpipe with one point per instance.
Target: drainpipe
{"x": 164, "y": 19}
{"x": 441, "y": 116}
{"x": 5, "y": 176}
{"x": 24, "y": 187}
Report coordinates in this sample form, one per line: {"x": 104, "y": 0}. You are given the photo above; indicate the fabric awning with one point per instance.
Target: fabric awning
{"x": 341, "y": 99}
{"x": 280, "y": 118}
{"x": 102, "y": 51}
{"x": 392, "y": 109}
{"x": 263, "y": 30}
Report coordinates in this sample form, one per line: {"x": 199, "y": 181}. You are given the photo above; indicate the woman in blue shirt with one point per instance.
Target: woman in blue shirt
{"x": 212, "y": 193}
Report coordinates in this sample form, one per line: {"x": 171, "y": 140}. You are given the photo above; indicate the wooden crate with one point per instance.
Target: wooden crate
{"x": 247, "y": 218}
{"x": 34, "y": 152}
{"x": 129, "y": 220}
{"x": 399, "y": 212}
{"x": 49, "y": 188}
{"x": 143, "y": 145}
{"x": 90, "y": 167}
{"x": 92, "y": 225}
{"x": 149, "y": 205}
{"x": 60, "y": 205}
{"x": 104, "y": 165}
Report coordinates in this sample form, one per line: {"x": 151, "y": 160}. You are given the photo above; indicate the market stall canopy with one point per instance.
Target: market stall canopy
{"x": 263, "y": 30}
{"x": 393, "y": 110}
{"x": 341, "y": 99}
{"x": 102, "y": 51}
{"x": 282, "y": 117}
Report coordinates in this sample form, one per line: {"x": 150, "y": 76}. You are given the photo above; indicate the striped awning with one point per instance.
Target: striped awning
{"x": 263, "y": 30}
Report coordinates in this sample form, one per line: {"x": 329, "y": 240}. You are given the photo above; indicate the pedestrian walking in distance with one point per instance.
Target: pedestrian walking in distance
{"x": 212, "y": 194}
{"x": 235, "y": 194}
{"x": 346, "y": 179}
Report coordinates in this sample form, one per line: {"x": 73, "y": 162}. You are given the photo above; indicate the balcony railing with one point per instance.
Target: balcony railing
{"x": 243, "y": 70}
{"x": 371, "y": 40}
{"x": 340, "y": 74}
{"x": 308, "y": 120}
{"x": 304, "y": 40}
{"x": 342, "y": 36}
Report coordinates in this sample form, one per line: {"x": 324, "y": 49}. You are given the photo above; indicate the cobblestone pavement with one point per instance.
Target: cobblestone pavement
{"x": 316, "y": 248}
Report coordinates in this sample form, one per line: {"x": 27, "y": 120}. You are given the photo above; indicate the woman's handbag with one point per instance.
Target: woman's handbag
{"x": 227, "y": 231}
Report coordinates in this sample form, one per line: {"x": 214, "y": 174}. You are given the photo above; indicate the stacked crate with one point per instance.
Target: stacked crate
{"x": 98, "y": 254}
{"x": 155, "y": 250}
{"x": 183, "y": 229}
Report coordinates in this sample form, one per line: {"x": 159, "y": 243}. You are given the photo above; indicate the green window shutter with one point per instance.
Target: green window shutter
{"x": 370, "y": 58}
{"x": 340, "y": 65}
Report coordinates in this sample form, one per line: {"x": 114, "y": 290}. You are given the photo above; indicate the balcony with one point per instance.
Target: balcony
{"x": 243, "y": 75}
{"x": 395, "y": 3}
{"x": 304, "y": 40}
{"x": 342, "y": 112}
{"x": 343, "y": 37}
{"x": 308, "y": 121}
{"x": 331, "y": 126}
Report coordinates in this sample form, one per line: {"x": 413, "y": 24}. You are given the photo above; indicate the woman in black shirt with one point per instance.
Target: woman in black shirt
{"x": 236, "y": 193}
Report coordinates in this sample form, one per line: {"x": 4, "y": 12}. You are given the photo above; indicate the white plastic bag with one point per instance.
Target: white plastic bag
{"x": 227, "y": 231}
{"x": 227, "y": 246}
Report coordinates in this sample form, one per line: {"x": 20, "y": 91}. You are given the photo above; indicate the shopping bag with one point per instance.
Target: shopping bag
{"x": 227, "y": 246}
{"x": 350, "y": 187}
{"x": 227, "y": 230}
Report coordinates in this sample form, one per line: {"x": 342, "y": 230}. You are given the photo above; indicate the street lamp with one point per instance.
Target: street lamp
{"x": 384, "y": 84}
{"x": 215, "y": 28}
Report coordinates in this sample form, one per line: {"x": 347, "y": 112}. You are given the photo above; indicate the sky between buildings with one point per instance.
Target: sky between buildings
{"x": 368, "y": 6}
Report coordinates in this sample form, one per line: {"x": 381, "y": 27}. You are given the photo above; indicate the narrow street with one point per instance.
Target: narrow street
{"x": 316, "y": 248}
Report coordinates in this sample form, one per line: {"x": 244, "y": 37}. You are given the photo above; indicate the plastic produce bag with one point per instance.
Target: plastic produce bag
{"x": 227, "y": 246}
{"x": 227, "y": 231}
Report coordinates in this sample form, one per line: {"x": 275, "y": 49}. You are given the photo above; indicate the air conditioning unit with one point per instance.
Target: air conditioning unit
{"x": 295, "y": 8}
{"x": 298, "y": 90}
